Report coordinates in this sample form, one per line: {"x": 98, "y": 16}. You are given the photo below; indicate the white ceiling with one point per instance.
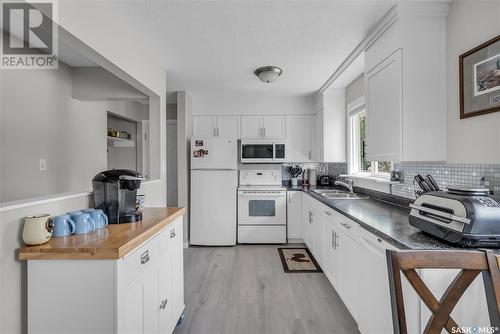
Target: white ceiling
{"x": 216, "y": 45}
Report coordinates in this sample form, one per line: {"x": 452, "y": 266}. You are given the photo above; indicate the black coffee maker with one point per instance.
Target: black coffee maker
{"x": 115, "y": 192}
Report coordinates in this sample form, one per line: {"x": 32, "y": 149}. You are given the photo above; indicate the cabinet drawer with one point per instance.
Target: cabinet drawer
{"x": 172, "y": 235}
{"x": 137, "y": 262}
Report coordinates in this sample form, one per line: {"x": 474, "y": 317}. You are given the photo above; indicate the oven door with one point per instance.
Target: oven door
{"x": 261, "y": 207}
{"x": 257, "y": 152}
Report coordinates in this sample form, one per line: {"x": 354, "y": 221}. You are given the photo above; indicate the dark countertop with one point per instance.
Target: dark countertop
{"x": 387, "y": 221}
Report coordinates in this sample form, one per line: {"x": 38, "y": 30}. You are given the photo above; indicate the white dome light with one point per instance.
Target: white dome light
{"x": 268, "y": 73}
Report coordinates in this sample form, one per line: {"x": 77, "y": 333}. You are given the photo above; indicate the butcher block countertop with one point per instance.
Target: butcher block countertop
{"x": 110, "y": 243}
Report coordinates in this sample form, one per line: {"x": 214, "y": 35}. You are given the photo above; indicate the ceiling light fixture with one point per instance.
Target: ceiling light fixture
{"x": 268, "y": 73}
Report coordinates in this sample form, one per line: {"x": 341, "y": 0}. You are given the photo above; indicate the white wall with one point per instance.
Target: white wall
{"x": 184, "y": 134}
{"x": 248, "y": 104}
{"x": 476, "y": 139}
{"x": 42, "y": 120}
{"x": 97, "y": 84}
{"x": 132, "y": 61}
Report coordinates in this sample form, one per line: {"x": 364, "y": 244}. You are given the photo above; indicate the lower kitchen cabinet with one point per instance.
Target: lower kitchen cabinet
{"x": 331, "y": 265}
{"x": 307, "y": 221}
{"x": 354, "y": 262}
{"x": 142, "y": 292}
{"x": 294, "y": 214}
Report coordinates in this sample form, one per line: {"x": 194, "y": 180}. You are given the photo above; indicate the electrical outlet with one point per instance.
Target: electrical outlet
{"x": 42, "y": 164}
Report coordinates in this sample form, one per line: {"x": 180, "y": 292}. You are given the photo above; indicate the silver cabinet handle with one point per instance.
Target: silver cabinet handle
{"x": 328, "y": 213}
{"x": 333, "y": 239}
{"x": 172, "y": 233}
{"x": 218, "y": 132}
{"x": 145, "y": 257}
{"x": 163, "y": 304}
{"x": 215, "y": 132}
{"x": 309, "y": 155}
{"x": 336, "y": 240}
{"x": 347, "y": 226}
{"x": 264, "y": 131}
{"x": 310, "y": 217}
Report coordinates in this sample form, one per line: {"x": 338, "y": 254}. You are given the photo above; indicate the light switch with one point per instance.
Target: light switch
{"x": 42, "y": 164}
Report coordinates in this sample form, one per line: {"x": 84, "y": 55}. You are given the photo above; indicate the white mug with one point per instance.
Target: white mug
{"x": 37, "y": 229}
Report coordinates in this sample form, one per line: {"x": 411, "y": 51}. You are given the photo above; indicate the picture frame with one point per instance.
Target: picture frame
{"x": 479, "y": 70}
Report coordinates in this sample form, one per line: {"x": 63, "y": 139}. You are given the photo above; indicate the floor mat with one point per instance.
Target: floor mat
{"x": 298, "y": 260}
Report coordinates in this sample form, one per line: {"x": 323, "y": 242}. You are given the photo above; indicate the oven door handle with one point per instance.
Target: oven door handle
{"x": 441, "y": 214}
{"x": 261, "y": 194}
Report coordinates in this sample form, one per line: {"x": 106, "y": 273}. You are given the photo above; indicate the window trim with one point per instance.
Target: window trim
{"x": 355, "y": 108}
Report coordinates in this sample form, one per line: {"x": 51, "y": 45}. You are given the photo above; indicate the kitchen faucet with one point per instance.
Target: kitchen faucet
{"x": 347, "y": 183}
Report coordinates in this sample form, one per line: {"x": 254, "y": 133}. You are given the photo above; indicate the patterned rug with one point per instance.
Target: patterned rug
{"x": 298, "y": 260}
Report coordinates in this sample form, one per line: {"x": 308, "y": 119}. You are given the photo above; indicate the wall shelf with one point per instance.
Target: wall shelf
{"x": 120, "y": 142}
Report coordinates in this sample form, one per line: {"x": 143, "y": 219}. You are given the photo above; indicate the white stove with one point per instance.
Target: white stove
{"x": 261, "y": 207}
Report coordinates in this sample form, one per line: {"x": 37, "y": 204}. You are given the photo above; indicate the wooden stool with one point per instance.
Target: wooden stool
{"x": 471, "y": 263}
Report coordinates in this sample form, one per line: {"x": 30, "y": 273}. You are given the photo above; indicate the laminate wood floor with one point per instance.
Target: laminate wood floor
{"x": 243, "y": 289}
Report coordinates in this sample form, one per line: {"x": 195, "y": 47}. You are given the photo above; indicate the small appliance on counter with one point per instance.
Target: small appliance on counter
{"x": 324, "y": 180}
{"x": 115, "y": 192}
{"x": 37, "y": 229}
{"x": 465, "y": 217}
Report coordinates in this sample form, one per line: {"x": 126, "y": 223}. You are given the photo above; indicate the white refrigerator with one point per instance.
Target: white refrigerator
{"x": 214, "y": 182}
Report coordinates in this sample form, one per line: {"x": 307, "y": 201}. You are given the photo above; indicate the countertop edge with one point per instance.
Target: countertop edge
{"x": 362, "y": 224}
{"x": 85, "y": 253}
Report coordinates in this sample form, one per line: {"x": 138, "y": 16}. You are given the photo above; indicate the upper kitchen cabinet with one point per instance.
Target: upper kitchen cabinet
{"x": 263, "y": 127}
{"x": 405, "y": 71}
{"x": 329, "y": 128}
{"x": 216, "y": 126}
{"x": 298, "y": 138}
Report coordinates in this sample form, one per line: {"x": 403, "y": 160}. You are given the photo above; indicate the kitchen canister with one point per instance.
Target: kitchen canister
{"x": 37, "y": 229}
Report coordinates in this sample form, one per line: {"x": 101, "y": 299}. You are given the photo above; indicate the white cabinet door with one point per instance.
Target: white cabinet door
{"x": 331, "y": 264}
{"x": 318, "y": 224}
{"x": 374, "y": 311}
{"x": 140, "y": 304}
{"x": 177, "y": 267}
{"x": 294, "y": 214}
{"x": 228, "y": 126}
{"x": 307, "y": 228}
{"x": 204, "y": 126}
{"x": 298, "y": 138}
{"x": 318, "y": 138}
{"x": 349, "y": 273}
{"x": 251, "y": 127}
{"x": 274, "y": 126}
{"x": 384, "y": 87}
{"x": 165, "y": 287}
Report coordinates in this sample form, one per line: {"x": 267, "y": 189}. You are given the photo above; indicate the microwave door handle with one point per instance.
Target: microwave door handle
{"x": 438, "y": 213}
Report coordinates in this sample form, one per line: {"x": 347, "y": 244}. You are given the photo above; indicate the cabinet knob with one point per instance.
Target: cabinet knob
{"x": 163, "y": 304}
{"x": 145, "y": 257}
{"x": 328, "y": 213}
{"x": 172, "y": 233}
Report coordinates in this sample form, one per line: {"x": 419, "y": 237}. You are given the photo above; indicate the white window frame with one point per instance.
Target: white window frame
{"x": 355, "y": 108}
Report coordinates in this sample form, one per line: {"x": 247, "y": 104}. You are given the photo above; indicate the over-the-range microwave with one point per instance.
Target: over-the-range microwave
{"x": 258, "y": 151}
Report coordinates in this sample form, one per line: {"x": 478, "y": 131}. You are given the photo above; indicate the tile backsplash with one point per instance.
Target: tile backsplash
{"x": 323, "y": 168}
{"x": 446, "y": 174}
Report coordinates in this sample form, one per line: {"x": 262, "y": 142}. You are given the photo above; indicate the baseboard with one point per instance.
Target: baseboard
{"x": 295, "y": 240}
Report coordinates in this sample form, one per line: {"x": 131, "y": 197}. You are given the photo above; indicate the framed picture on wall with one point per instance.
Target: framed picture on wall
{"x": 480, "y": 79}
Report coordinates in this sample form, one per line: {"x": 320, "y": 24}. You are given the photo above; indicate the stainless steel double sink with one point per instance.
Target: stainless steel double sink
{"x": 338, "y": 194}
